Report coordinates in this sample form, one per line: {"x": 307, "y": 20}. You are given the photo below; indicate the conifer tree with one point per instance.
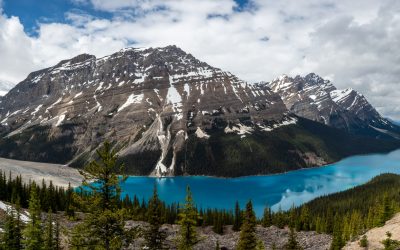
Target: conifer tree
{"x": 248, "y": 239}
{"x": 364, "y": 241}
{"x": 218, "y": 226}
{"x": 154, "y": 238}
{"x": 33, "y": 231}
{"x": 57, "y": 239}
{"x": 238, "y": 218}
{"x": 385, "y": 211}
{"x": 337, "y": 241}
{"x": 390, "y": 244}
{"x": 292, "y": 243}
{"x": 11, "y": 239}
{"x": 329, "y": 221}
{"x": 69, "y": 210}
{"x": 293, "y": 218}
{"x": 267, "y": 217}
{"x": 305, "y": 218}
{"x": 104, "y": 223}
{"x": 49, "y": 234}
{"x": 260, "y": 245}
{"x": 188, "y": 221}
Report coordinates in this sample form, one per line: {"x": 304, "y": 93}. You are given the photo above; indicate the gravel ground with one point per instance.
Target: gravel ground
{"x": 35, "y": 171}
{"x": 228, "y": 241}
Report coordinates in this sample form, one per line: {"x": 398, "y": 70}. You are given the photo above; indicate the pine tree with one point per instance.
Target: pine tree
{"x": 11, "y": 239}
{"x": 57, "y": 238}
{"x": 33, "y": 231}
{"x": 267, "y": 217}
{"x": 329, "y": 221}
{"x": 248, "y": 239}
{"x": 104, "y": 223}
{"x": 154, "y": 238}
{"x": 305, "y": 218}
{"x": 385, "y": 211}
{"x": 260, "y": 245}
{"x": 337, "y": 241}
{"x": 218, "y": 226}
{"x": 69, "y": 210}
{"x": 238, "y": 218}
{"x": 390, "y": 244}
{"x": 188, "y": 221}
{"x": 364, "y": 241}
{"x": 49, "y": 234}
{"x": 292, "y": 243}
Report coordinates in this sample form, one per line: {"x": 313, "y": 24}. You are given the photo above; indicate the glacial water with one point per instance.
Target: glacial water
{"x": 281, "y": 190}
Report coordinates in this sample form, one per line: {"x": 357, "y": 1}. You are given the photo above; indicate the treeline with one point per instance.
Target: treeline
{"x": 347, "y": 214}
{"x": 13, "y": 190}
{"x": 54, "y": 198}
{"x": 101, "y": 213}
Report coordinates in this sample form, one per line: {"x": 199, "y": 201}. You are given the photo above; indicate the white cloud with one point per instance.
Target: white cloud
{"x": 356, "y": 47}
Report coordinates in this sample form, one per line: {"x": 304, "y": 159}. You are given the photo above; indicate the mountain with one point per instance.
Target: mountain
{"x": 166, "y": 113}
{"x": 317, "y": 99}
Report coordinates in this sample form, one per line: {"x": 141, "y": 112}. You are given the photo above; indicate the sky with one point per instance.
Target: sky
{"x": 352, "y": 43}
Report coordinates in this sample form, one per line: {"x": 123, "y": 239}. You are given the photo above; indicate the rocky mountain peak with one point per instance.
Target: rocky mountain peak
{"x": 318, "y": 99}
{"x": 146, "y": 99}
{"x": 168, "y": 113}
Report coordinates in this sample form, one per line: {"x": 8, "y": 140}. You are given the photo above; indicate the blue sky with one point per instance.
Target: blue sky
{"x": 256, "y": 40}
{"x": 33, "y": 12}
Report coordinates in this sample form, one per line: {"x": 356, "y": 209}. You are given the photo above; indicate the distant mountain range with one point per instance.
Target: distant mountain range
{"x": 317, "y": 99}
{"x": 168, "y": 113}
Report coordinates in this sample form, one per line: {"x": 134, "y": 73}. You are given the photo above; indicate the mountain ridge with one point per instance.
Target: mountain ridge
{"x": 315, "y": 98}
{"x": 166, "y": 113}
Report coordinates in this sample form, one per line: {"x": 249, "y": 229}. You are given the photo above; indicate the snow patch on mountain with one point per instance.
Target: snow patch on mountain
{"x": 239, "y": 129}
{"x": 132, "y": 99}
{"x": 174, "y": 98}
{"x": 284, "y": 122}
{"x": 60, "y": 120}
{"x": 24, "y": 216}
{"x": 201, "y": 134}
{"x": 339, "y": 95}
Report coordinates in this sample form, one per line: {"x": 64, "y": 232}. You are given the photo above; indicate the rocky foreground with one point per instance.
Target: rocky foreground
{"x": 269, "y": 235}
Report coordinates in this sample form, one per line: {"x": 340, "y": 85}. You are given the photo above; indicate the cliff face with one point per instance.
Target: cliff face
{"x": 165, "y": 112}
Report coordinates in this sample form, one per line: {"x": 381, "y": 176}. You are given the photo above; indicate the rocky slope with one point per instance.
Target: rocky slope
{"x": 317, "y": 99}
{"x": 166, "y": 113}
{"x": 308, "y": 240}
{"x": 376, "y": 235}
{"x": 29, "y": 171}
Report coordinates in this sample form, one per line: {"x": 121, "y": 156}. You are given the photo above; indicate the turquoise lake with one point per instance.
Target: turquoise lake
{"x": 281, "y": 190}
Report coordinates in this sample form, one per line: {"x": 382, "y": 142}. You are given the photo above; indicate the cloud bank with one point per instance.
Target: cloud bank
{"x": 353, "y": 43}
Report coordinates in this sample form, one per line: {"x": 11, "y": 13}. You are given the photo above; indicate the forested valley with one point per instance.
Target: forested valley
{"x": 99, "y": 214}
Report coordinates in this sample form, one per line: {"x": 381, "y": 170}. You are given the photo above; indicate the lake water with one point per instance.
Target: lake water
{"x": 281, "y": 190}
